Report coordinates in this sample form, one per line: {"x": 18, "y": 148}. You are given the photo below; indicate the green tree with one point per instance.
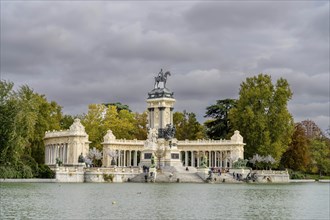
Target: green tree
{"x": 24, "y": 118}
{"x": 297, "y": 155}
{"x": 187, "y": 126}
{"x": 124, "y": 124}
{"x": 10, "y": 146}
{"x": 219, "y": 126}
{"x": 320, "y": 155}
{"x": 119, "y": 106}
{"x": 94, "y": 126}
{"x": 66, "y": 121}
{"x": 140, "y": 126}
{"x": 262, "y": 117}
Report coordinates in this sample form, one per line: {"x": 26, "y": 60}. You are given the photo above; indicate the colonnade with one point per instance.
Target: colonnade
{"x": 214, "y": 158}
{"x": 126, "y": 158}
{"x": 53, "y": 151}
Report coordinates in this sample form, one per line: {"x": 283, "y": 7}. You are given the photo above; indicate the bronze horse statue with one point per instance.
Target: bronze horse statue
{"x": 162, "y": 77}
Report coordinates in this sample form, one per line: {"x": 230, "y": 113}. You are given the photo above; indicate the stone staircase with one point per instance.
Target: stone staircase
{"x": 180, "y": 174}
{"x": 171, "y": 175}
{"x": 224, "y": 178}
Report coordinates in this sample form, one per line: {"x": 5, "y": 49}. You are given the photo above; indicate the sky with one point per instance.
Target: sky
{"x": 83, "y": 52}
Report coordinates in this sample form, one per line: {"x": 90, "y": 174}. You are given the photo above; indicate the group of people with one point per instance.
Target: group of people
{"x": 219, "y": 170}
{"x": 238, "y": 176}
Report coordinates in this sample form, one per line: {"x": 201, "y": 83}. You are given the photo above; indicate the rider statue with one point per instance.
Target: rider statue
{"x": 161, "y": 77}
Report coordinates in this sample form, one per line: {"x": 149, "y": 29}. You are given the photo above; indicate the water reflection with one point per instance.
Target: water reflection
{"x": 164, "y": 201}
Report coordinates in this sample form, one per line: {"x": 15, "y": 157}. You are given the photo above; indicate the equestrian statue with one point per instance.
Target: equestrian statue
{"x": 162, "y": 77}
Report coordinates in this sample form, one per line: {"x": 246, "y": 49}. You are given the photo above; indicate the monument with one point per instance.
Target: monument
{"x": 160, "y": 103}
{"x": 124, "y": 159}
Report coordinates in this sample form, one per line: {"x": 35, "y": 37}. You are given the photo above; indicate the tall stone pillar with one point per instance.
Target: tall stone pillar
{"x": 160, "y": 103}
{"x": 135, "y": 158}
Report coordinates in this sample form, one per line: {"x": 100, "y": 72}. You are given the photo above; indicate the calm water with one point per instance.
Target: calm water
{"x": 164, "y": 201}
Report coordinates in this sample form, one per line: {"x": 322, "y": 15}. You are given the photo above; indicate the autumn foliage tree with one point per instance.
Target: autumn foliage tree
{"x": 297, "y": 155}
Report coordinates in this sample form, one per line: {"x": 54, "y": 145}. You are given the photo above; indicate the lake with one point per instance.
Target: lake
{"x": 164, "y": 201}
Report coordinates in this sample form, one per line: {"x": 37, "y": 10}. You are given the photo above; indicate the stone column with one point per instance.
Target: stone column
{"x": 46, "y": 154}
{"x": 226, "y": 159}
{"x": 61, "y": 153}
{"x": 125, "y": 162}
{"x": 151, "y": 117}
{"x": 198, "y": 158}
{"x": 230, "y": 161}
{"x": 50, "y": 154}
{"x": 215, "y": 158}
{"x": 135, "y": 158}
{"x": 192, "y": 159}
{"x": 129, "y": 158}
{"x": 66, "y": 152}
{"x": 161, "y": 117}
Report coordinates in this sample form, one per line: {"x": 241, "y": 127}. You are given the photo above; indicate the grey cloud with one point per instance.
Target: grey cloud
{"x": 243, "y": 16}
{"x": 79, "y": 53}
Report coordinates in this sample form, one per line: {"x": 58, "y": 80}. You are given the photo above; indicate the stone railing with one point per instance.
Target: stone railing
{"x": 50, "y": 134}
{"x": 114, "y": 169}
{"x": 124, "y": 141}
{"x": 65, "y": 133}
{"x": 267, "y": 172}
{"x": 211, "y": 141}
{"x": 187, "y": 142}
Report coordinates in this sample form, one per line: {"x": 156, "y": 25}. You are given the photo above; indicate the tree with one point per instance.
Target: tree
{"x": 66, "y": 121}
{"x": 187, "y": 126}
{"x": 119, "y": 106}
{"x": 311, "y": 129}
{"x": 124, "y": 124}
{"x": 219, "y": 126}
{"x": 93, "y": 122}
{"x": 262, "y": 117}
{"x": 24, "y": 118}
{"x": 320, "y": 155}
{"x": 160, "y": 153}
{"x": 95, "y": 156}
{"x": 297, "y": 155}
{"x": 140, "y": 125}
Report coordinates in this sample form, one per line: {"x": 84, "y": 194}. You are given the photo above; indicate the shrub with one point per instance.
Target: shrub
{"x": 7, "y": 172}
{"x": 30, "y": 161}
{"x": 296, "y": 175}
{"x": 45, "y": 172}
{"x": 20, "y": 171}
{"x": 108, "y": 177}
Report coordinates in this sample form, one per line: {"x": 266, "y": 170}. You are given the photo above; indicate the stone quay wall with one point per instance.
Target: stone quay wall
{"x": 96, "y": 175}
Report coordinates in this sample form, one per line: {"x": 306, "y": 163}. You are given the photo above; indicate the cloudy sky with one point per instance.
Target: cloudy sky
{"x": 83, "y": 52}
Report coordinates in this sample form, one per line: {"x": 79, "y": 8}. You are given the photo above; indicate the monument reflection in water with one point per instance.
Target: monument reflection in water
{"x": 164, "y": 201}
